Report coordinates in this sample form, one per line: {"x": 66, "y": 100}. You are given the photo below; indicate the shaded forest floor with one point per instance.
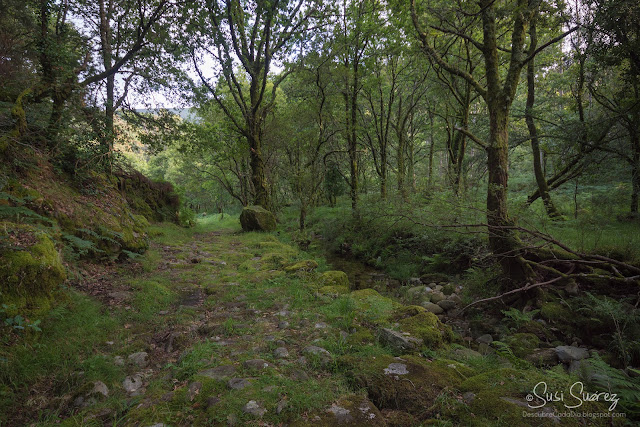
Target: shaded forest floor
{"x": 216, "y": 327}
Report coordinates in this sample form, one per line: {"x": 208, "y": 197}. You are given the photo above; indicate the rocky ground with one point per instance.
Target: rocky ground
{"x": 218, "y": 327}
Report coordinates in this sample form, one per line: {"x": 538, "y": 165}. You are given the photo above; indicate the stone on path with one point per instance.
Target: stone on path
{"x": 238, "y": 383}
{"x": 219, "y": 373}
{"x": 139, "y": 359}
{"x": 321, "y": 353}
{"x": 132, "y": 383}
{"x": 280, "y": 353}
{"x": 257, "y": 364}
{"x": 252, "y": 407}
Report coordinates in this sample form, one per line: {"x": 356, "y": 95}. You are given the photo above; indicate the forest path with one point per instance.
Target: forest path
{"x": 215, "y": 332}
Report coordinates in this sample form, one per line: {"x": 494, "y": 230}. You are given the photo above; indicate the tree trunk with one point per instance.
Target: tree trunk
{"x": 258, "y": 179}
{"x": 635, "y": 171}
{"x": 533, "y": 131}
{"x": 401, "y": 165}
{"x": 383, "y": 173}
{"x": 303, "y": 215}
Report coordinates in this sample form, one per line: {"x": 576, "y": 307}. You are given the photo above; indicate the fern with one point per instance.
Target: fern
{"x": 20, "y": 213}
{"x": 81, "y": 246}
{"x": 604, "y": 377}
{"x": 519, "y": 318}
{"x": 503, "y": 350}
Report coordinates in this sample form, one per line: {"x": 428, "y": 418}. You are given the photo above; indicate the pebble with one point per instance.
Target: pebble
{"x": 280, "y": 353}
{"x": 139, "y": 359}
{"x": 238, "y": 383}
{"x": 252, "y": 407}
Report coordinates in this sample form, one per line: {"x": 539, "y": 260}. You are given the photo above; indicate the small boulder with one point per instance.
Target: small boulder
{"x": 219, "y": 373}
{"x": 543, "y": 357}
{"x": 437, "y": 296}
{"x": 257, "y": 364}
{"x": 132, "y": 384}
{"x": 238, "y": 383}
{"x": 447, "y": 305}
{"x": 334, "y": 278}
{"x": 569, "y": 353}
{"x": 484, "y": 339}
{"x": 280, "y": 353}
{"x": 253, "y": 408}
{"x": 319, "y": 352}
{"x": 139, "y": 359}
{"x": 433, "y": 308}
{"x": 399, "y": 342}
{"x": 257, "y": 218}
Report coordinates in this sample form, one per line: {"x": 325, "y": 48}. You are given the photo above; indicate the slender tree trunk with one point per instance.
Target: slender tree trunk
{"x": 533, "y": 131}
{"x": 635, "y": 171}
{"x": 431, "y": 150}
{"x": 401, "y": 165}
{"x": 383, "y": 173}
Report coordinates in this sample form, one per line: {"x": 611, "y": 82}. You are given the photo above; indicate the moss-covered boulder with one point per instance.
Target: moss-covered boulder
{"x": 257, "y": 218}
{"x": 306, "y": 265}
{"x": 556, "y": 312}
{"x": 30, "y": 266}
{"x": 372, "y": 306}
{"x": 523, "y": 344}
{"x": 407, "y": 383}
{"x": 428, "y": 328}
{"x": 334, "y": 278}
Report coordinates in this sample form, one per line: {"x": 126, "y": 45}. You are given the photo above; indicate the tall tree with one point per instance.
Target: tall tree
{"x": 246, "y": 38}
{"x": 498, "y": 92}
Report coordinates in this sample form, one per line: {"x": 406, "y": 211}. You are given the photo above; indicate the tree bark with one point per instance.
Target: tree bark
{"x": 543, "y": 188}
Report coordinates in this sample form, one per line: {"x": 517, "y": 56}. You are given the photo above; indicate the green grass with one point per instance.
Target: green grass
{"x": 70, "y": 335}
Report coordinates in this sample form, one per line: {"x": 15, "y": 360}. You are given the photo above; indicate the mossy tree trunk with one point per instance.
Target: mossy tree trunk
{"x": 538, "y": 171}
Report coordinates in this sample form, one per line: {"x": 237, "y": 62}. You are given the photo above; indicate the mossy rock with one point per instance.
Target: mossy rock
{"x": 556, "y": 312}
{"x": 538, "y": 329}
{"x": 257, "y": 218}
{"x": 427, "y": 327}
{"x": 30, "y": 266}
{"x": 372, "y": 306}
{"x": 362, "y": 336}
{"x": 407, "y": 383}
{"x": 334, "y": 278}
{"x": 408, "y": 311}
{"x": 523, "y": 344}
{"x": 306, "y": 265}
{"x": 333, "y": 290}
{"x": 351, "y": 410}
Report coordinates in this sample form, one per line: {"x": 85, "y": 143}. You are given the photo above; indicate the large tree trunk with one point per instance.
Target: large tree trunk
{"x": 258, "y": 178}
{"x": 543, "y": 188}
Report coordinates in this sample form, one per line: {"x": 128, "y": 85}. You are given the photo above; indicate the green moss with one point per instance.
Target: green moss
{"x": 429, "y": 328}
{"x": 29, "y": 274}
{"x": 306, "y": 265}
{"x": 408, "y": 311}
{"x": 555, "y": 312}
{"x": 523, "y": 344}
{"x": 372, "y": 306}
{"x": 407, "y": 383}
{"x": 361, "y": 336}
{"x": 333, "y": 290}
{"x": 335, "y": 278}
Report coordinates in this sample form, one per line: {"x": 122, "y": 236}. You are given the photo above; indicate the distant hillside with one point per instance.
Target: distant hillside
{"x": 188, "y": 114}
